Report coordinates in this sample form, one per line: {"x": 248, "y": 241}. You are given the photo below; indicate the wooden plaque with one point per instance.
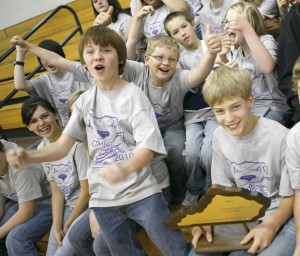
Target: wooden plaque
{"x": 221, "y": 207}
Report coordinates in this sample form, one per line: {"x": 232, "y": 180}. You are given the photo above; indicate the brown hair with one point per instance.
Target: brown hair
{"x": 104, "y": 36}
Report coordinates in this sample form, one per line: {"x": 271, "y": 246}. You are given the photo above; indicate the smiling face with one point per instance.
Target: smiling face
{"x": 101, "y": 5}
{"x": 183, "y": 32}
{"x": 44, "y": 124}
{"x": 102, "y": 63}
{"x": 234, "y": 115}
{"x": 162, "y": 65}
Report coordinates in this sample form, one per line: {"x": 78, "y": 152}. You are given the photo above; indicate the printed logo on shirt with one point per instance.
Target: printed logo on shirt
{"x": 109, "y": 140}
{"x": 253, "y": 176}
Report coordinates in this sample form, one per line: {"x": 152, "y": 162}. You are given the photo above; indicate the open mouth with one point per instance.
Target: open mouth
{"x": 99, "y": 67}
{"x": 164, "y": 70}
{"x": 233, "y": 126}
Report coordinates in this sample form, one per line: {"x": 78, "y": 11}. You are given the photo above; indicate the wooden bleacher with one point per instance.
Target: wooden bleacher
{"x": 57, "y": 28}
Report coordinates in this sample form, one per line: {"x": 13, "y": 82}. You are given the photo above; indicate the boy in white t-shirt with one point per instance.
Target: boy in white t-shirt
{"x": 114, "y": 116}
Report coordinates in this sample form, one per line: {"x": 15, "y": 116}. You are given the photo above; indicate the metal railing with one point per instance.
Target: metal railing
{"x": 30, "y": 33}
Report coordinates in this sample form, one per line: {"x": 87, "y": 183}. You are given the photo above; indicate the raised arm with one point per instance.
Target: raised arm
{"x": 198, "y": 74}
{"x": 178, "y": 6}
{"x": 44, "y": 54}
{"x": 52, "y": 152}
{"x": 24, "y": 213}
{"x": 134, "y": 30}
{"x": 20, "y": 82}
{"x": 239, "y": 22}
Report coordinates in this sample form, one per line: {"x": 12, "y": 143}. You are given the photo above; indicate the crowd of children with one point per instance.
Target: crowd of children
{"x": 163, "y": 104}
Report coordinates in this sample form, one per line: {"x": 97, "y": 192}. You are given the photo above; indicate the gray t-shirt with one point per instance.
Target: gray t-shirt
{"x": 293, "y": 155}
{"x": 214, "y": 18}
{"x": 264, "y": 86}
{"x": 117, "y": 123}
{"x": 57, "y": 90}
{"x": 255, "y": 162}
{"x": 120, "y": 25}
{"x": 27, "y": 184}
{"x": 167, "y": 100}
{"x": 68, "y": 171}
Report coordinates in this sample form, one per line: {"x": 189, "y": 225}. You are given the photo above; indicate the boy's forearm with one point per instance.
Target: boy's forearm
{"x": 133, "y": 36}
{"x": 282, "y": 214}
{"x": 202, "y": 70}
{"x": 49, "y": 56}
{"x": 140, "y": 159}
{"x": 51, "y": 152}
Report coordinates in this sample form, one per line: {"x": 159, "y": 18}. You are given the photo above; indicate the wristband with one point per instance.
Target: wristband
{"x": 21, "y": 63}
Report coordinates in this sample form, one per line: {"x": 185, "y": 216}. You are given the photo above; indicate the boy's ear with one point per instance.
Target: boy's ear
{"x": 251, "y": 100}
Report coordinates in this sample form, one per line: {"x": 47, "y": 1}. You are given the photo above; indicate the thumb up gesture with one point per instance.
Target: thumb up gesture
{"x": 213, "y": 42}
{"x": 104, "y": 18}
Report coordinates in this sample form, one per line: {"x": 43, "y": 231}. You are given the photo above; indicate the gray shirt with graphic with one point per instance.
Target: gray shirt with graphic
{"x": 117, "y": 124}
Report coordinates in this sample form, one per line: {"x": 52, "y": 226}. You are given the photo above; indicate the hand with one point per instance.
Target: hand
{"x": 16, "y": 157}
{"x": 232, "y": 64}
{"x": 197, "y": 232}
{"x": 17, "y": 40}
{"x": 283, "y": 6}
{"x": 263, "y": 235}
{"x": 104, "y": 18}
{"x": 114, "y": 173}
{"x": 238, "y": 22}
{"x": 226, "y": 44}
{"x": 94, "y": 225}
{"x": 213, "y": 41}
{"x": 58, "y": 237}
{"x": 145, "y": 10}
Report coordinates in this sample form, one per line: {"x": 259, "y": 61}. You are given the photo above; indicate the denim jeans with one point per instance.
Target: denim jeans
{"x": 283, "y": 244}
{"x": 174, "y": 138}
{"x": 281, "y": 117}
{"x": 22, "y": 239}
{"x": 81, "y": 238}
{"x": 151, "y": 213}
{"x": 198, "y": 155}
{"x": 66, "y": 248}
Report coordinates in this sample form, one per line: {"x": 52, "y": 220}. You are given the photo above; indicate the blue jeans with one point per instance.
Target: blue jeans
{"x": 283, "y": 244}
{"x": 151, "y": 213}
{"x": 281, "y": 117}
{"x": 198, "y": 155}
{"x": 81, "y": 238}
{"x": 22, "y": 239}
{"x": 66, "y": 248}
{"x": 174, "y": 138}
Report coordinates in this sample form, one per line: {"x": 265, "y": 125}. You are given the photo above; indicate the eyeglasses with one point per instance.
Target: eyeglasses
{"x": 225, "y": 21}
{"x": 162, "y": 58}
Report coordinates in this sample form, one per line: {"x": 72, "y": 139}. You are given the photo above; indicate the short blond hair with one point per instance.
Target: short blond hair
{"x": 296, "y": 75}
{"x": 162, "y": 41}
{"x": 226, "y": 83}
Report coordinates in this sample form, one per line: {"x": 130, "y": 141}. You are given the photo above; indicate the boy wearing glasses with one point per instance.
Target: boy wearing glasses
{"x": 166, "y": 87}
